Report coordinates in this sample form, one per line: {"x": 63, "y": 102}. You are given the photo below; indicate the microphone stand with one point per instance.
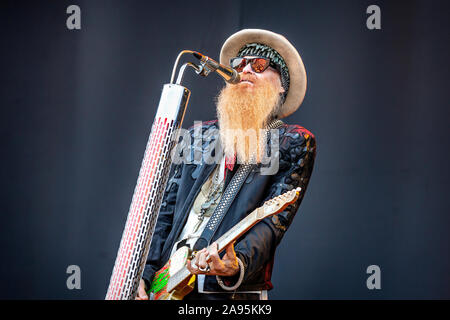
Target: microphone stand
{"x": 150, "y": 186}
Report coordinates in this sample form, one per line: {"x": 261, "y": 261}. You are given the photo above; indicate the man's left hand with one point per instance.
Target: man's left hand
{"x": 227, "y": 266}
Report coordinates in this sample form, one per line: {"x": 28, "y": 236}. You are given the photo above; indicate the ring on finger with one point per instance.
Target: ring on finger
{"x": 206, "y": 269}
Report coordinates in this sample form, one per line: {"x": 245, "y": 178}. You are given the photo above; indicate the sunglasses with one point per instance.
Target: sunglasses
{"x": 258, "y": 64}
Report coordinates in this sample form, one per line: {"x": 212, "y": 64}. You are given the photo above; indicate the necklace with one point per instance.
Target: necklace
{"x": 215, "y": 191}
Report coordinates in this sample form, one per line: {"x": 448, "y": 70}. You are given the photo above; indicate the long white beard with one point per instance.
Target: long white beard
{"x": 243, "y": 114}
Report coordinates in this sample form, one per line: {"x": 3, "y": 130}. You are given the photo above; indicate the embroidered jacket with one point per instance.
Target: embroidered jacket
{"x": 256, "y": 248}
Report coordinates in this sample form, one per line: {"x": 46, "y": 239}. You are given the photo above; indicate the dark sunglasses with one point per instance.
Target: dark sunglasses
{"x": 258, "y": 64}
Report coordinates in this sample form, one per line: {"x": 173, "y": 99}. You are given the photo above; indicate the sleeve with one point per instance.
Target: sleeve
{"x": 257, "y": 247}
{"x": 163, "y": 225}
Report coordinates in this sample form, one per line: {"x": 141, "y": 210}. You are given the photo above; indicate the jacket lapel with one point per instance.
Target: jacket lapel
{"x": 180, "y": 220}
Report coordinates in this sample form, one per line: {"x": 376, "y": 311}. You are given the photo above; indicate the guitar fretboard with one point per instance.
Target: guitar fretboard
{"x": 238, "y": 230}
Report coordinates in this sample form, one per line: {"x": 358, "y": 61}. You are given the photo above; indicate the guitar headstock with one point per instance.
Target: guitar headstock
{"x": 278, "y": 204}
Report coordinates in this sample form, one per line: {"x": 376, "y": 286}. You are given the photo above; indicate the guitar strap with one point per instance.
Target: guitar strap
{"x": 228, "y": 196}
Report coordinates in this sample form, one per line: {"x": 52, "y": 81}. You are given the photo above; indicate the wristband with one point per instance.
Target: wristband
{"x": 238, "y": 283}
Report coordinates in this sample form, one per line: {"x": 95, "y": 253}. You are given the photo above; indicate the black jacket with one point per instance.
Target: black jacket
{"x": 257, "y": 247}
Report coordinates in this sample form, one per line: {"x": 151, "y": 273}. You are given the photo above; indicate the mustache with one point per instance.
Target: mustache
{"x": 248, "y": 77}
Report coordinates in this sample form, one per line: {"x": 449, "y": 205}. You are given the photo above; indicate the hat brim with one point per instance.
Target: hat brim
{"x": 297, "y": 73}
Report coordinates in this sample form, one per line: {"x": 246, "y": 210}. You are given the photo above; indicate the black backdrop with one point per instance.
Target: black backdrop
{"x": 77, "y": 107}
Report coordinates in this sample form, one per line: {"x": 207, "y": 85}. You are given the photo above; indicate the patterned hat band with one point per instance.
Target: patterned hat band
{"x": 276, "y": 60}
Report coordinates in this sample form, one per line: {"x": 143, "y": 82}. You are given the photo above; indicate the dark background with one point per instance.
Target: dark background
{"x": 77, "y": 108}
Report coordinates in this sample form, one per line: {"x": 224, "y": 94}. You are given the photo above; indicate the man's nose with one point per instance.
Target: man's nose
{"x": 247, "y": 69}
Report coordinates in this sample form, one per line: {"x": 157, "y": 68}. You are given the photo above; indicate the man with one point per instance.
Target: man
{"x": 272, "y": 86}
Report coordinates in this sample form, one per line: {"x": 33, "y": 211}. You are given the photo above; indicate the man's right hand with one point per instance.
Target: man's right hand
{"x": 141, "y": 294}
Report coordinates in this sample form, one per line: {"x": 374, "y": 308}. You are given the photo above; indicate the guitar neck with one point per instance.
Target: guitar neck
{"x": 238, "y": 230}
{"x": 269, "y": 208}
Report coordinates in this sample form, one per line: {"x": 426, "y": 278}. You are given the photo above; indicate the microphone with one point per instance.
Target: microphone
{"x": 228, "y": 74}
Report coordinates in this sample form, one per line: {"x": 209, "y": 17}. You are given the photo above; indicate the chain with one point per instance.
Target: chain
{"x": 213, "y": 197}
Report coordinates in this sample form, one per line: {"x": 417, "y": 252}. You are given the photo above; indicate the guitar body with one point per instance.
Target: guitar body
{"x": 159, "y": 287}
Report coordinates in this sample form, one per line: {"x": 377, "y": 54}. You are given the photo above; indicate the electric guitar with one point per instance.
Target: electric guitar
{"x": 174, "y": 281}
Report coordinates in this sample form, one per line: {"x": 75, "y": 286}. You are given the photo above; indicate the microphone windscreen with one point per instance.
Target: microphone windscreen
{"x": 197, "y": 55}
